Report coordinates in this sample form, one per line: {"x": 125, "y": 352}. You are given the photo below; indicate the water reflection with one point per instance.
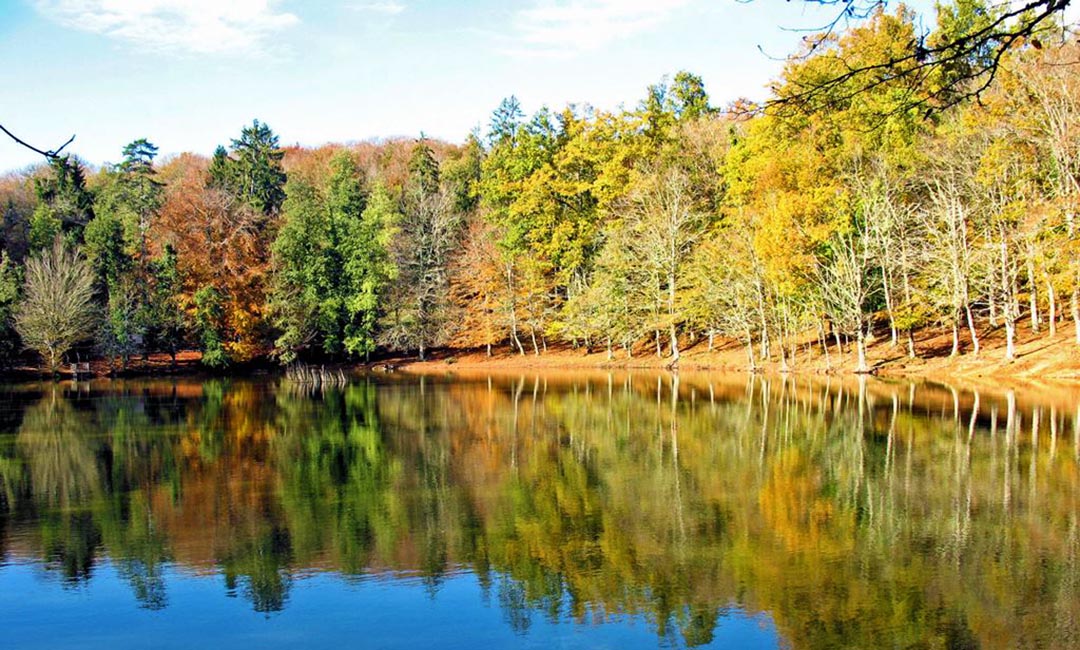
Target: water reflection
{"x": 853, "y": 514}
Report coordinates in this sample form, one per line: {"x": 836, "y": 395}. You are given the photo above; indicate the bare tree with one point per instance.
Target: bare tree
{"x": 666, "y": 226}
{"x": 1002, "y": 235}
{"x": 894, "y": 237}
{"x": 846, "y": 289}
{"x": 57, "y": 309}
{"x": 724, "y": 287}
{"x": 951, "y": 251}
{"x": 421, "y": 297}
{"x": 1053, "y": 82}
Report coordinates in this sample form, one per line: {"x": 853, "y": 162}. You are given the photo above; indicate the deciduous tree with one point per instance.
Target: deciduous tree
{"x": 57, "y": 309}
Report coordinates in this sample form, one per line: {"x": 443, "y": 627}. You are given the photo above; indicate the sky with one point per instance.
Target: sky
{"x": 189, "y": 74}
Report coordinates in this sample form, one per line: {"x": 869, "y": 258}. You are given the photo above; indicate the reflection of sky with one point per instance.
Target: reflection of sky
{"x": 191, "y": 75}
{"x": 323, "y": 611}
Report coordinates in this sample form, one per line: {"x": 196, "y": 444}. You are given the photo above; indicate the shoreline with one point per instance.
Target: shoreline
{"x": 1038, "y": 358}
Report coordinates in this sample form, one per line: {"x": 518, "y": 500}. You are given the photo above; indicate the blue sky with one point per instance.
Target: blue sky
{"x": 188, "y": 74}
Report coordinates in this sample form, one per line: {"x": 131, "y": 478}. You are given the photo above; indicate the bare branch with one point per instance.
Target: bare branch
{"x": 985, "y": 46}
{"x": 50, "y": 154}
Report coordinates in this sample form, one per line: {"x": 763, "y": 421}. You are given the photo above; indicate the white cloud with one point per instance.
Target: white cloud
{"x": 566, "y": 27}
{"x": 386, "y": 8}
{"x": 176, "y": 26}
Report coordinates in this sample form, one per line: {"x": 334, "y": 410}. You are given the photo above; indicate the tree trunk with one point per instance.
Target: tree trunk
{"x": 532, "y": 334}
{"x": 54, "y": 363}
{"x": 1075, "y": 306}
{"x": 1033, "y": 299}
{"x": 516, "y": 339}
{"x": 1052, "y": 297}
{"x": 992, "y": 300}
{"x": 674, "y": 345}
{"x": 513, "y": 310}
{"x": 750, "y": 354}
{"x": 861, "y": 366}
{"x": 824, "y": 342}
{"x": 671, "y": 316}
{"x": 955, "y": 336}
{"x": 712, "y": 336}
{"x": 610, "y": 355}
{"x": 764, "y": 323}
{"x": 1008, "y": 292}
{"x": 971, "y": 328}
{"x": 911, "y": 343}
{"x": 893, "y": 337}
{"x": 659, "y": 346}
{"x": 1010, "y": 339}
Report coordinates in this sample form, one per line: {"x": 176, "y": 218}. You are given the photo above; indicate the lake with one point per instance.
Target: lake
{"x": 587, "y": 510}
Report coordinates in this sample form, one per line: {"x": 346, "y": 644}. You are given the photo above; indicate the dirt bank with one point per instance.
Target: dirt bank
{"x": 1037, "y": 357}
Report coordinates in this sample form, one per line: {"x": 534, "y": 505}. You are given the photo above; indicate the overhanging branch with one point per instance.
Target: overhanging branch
{"x": 985, "y": 46}
{"x": 50, "y": 154}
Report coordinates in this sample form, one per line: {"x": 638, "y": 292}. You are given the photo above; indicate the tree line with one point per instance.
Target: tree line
{"x": 881, "y": 209}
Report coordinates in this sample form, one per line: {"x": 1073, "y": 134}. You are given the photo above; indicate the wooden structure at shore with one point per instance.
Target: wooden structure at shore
{"x": 81, "y": 370}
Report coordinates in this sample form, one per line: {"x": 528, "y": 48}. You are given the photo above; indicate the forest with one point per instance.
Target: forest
{"x": 914, "y": 202}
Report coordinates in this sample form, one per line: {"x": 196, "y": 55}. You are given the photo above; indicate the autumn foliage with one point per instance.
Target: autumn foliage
{"x": 641, "y": 230}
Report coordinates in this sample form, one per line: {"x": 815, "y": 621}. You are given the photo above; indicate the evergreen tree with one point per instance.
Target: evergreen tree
{"x": 9, "y": 295}
{"x": 168, "y": 326}
{"x": 64, "y": 204}
{"x": 252, "y": 171}
{"x": 209, "y": 317}
{"x": 463, "y": 173}
{"x": 330, "y": 265}
{"x": 117, "y": 247}
{"x": 369, "y": 269}
{"x": 505, "y": 121}
{"x": 300, "y": 303}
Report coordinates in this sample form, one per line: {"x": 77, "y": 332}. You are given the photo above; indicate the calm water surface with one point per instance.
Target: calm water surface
{"x": 594, "y": 511}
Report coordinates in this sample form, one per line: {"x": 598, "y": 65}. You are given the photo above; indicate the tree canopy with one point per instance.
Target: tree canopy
{"x": 873, "y": 196}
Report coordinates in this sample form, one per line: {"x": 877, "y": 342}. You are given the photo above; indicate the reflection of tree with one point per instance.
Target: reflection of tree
{"x": 855, "y": 515}
{"x": 53, "y": 439}
{"x": 260, "y": 568}
{"x": 139, "y": 463}
{"x": 596, "y": 501}
{"x": 64, "y": 475}
{"x": 139, "y": 548}
{"x": 697, "y": 624}
{"x": 337, "y": 476}
{"x": 515, "y": 605}
{"x": 70, "y": 544}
